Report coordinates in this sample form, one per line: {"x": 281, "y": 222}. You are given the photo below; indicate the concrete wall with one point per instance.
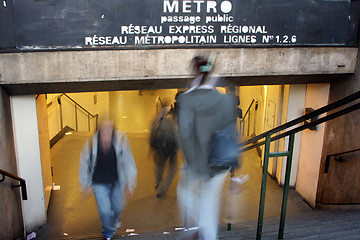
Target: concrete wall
{"x": 341, "y": 184}
{"x": 317, "y": 96}
{"x": 133, "y": 69}
{"x": 11, "y": 223}
{"x": 27, "y": 147}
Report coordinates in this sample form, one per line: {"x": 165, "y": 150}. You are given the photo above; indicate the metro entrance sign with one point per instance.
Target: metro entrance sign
{"x": 67, "y": 24}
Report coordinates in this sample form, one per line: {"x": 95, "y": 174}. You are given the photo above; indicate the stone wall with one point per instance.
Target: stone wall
{"x": 341, "y": 185}
{"x": 11, "y": 223}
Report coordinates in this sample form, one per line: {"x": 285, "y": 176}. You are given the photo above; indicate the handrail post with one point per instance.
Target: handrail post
{"x": 263, "y": 187}
{"x": 286, "y": 185}
{"x": 249, "y": 120}
{"x": 61, "y": 116}
{"x": 22, "y": 183}
{"x": 89, "y": 122}
{"x": 96, "y": 127}
{"x": 23, "y": 190}
{"x": 254, "y": 119}
{"x": 76, "y": 118}
{"x": 232, "y": 174}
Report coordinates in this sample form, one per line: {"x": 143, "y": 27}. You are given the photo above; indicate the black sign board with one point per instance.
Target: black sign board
{"x": 72, "y": 24}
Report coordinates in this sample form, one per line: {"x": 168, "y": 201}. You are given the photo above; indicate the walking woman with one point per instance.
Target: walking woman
{"x": 202, "y": 111}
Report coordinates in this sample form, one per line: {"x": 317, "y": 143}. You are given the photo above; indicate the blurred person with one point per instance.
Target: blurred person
{"x": 202, "y": 111}
{"x": 108, "y": 169}
{"x": 236, "y": 100}
{"x": 164, "y": 144}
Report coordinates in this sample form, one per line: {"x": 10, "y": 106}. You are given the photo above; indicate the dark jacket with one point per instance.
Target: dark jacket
{"x": 163, "y": 135}
{"x": 201, "y": 112}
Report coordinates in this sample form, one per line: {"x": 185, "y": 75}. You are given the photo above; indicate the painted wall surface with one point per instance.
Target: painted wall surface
{"x": 26, "y": 134}
{"x": 125, "y": 109}
{"x": 265, "y": 117}
{"x": 283, "y": 120}
{"x": 93, "y": 102}
{"x": 53, "y": 111}
{"x": 296, "y": 107}
{"x": 317, "y": 95}
{"x": 247, "y": 94}
{"x": 271, "y": 114}
{"x": 42, "y": 119}
{"x": 11, "y": 222}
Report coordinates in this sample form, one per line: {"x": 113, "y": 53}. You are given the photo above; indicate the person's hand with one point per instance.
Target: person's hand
{"x": 88, "y": 192}
{"x": 129, "y": 192}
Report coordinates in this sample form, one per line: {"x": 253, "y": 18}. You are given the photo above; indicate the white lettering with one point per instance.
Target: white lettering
{"x": 194, "y": 39}
{"x": 211, "y": 5}
{"x": 240, "y": 39}
{"x": 242, "y": 29}
{"x": 198, "y": 5}
{"x": 171, "y": 8}
{"x": 88, "y": 41}
{"x": 140, "y": 29}
{"x": 186, "y": 19}
{"x": 186, "y": 7}
{"x": 105, "y": 40}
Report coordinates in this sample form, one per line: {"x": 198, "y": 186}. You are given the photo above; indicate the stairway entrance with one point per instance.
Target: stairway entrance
{"x": 71, "y": 214}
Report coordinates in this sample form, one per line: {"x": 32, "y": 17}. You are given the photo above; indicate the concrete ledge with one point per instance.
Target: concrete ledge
{"x": 141, "y": 69}
{"x": 150, "y": 84}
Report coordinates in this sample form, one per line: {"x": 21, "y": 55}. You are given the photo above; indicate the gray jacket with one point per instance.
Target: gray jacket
{"x": 201, "y": 112}
{"x": 125, "y": 161}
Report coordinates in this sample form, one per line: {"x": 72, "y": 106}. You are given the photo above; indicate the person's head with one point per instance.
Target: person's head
{"x": 230, "y": 90}
{"x": 201, "y": 65}
{"x": 106, "y": 131}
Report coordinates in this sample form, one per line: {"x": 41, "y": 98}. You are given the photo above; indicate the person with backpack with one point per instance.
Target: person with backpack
{"x": 164, "y": 144}
{"x": 202, "y": 111}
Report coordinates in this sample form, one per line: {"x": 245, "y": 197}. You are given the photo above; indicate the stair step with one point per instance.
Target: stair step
{"x": 314, "y": 225}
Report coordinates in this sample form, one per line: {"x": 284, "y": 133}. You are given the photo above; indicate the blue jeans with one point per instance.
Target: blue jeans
{"x": 110, "y": 203}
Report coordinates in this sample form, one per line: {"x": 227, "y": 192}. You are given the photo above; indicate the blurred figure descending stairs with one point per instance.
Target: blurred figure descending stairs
{"x": 74, "y": 216}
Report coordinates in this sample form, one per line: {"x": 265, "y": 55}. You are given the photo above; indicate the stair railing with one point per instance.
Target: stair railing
{"x": 22, "y": 183}
{"x": 247, "y": 119}
{"x": 77, "y": 108}
{"x": 339, "y": 159}
{"x": 158, "y": 104}
{"x": 309, "y": 120}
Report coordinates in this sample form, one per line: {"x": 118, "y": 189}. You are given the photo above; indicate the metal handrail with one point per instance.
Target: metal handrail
{"x": 157, "y": 101}
{"x": 253, "y": 143}
{"x": 242, "y": 122}
{"x": 327, "y": 161}
{"x": 64, "y": 94}
{"x": 248, "y": 110}
{"x": 303, "y": 127}
{"x": 81, "y": 107}
{"x": 22, "y": 181}
{"x": 303, "y": 118}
